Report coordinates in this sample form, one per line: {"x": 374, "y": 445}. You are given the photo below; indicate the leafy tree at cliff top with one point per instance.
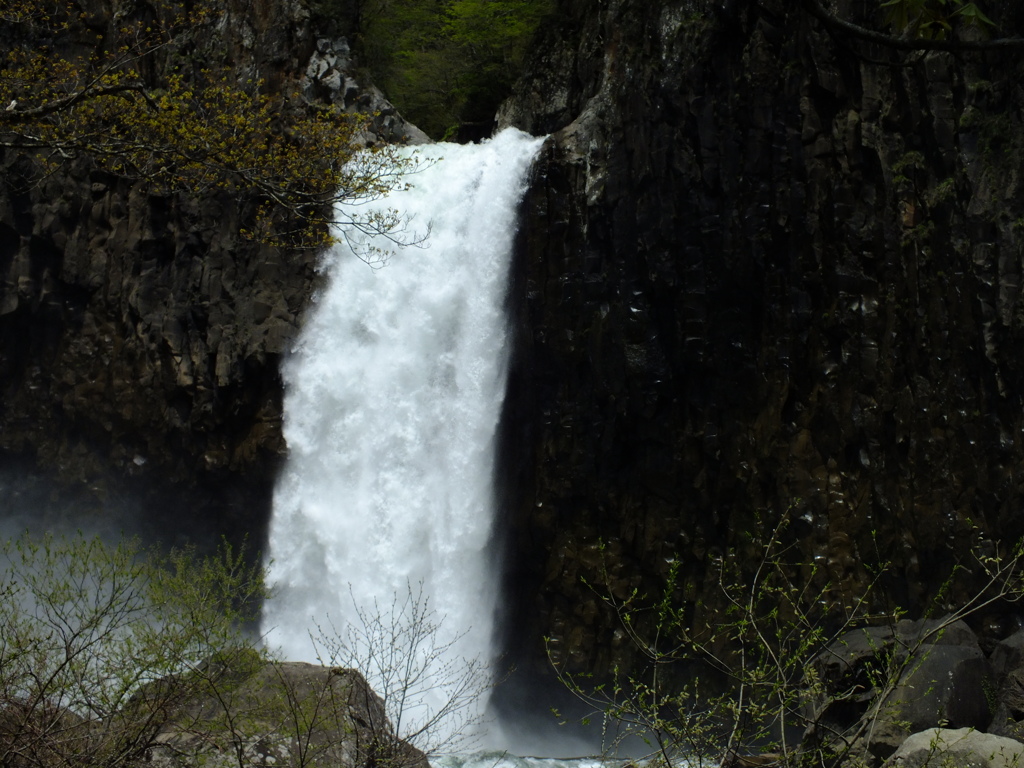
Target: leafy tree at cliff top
{"x": 447, "y": 63}
{"x": 122, "y": 86}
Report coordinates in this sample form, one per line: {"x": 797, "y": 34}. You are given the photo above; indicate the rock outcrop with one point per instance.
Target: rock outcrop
{"x": 286, "y": 714}
{"x": 878, "y": 686}
{"x": 141, "y": 335}
{"x": 958, "y": 748}
{"x": 767, "y": 268}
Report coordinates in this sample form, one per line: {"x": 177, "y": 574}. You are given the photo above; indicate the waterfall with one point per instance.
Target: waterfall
{"x": 392, "y": 399}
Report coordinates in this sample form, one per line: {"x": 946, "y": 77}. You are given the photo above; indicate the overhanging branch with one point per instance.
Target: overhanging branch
{"x": 13, "y": 114}
{"x": 838, "y": 25}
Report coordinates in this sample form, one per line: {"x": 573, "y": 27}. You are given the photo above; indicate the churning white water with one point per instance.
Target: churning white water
{"x": 392, "y": 401}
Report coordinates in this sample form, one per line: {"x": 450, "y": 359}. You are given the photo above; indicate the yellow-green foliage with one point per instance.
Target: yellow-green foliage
{"x": 102, "y": 645}
{"x": 933, "y": 19}
{"x": 195, "y": 130}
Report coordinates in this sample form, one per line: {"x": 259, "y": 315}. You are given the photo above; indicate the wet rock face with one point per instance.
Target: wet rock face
{"x": 762, "y": 270}
{"x": 141, "y": 335}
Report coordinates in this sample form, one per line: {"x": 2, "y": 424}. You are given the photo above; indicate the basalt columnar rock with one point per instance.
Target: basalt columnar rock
{"x": 766, "y": 268}
{"x": 141, "y": 334}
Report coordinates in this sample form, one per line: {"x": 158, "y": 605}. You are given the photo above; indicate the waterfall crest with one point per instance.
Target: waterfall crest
{"x": 393, "y": 395}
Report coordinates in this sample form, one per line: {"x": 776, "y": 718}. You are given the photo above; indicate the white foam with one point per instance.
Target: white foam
{"x": 393, "y": 395}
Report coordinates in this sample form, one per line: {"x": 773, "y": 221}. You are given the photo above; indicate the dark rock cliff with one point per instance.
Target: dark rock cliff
{"x": 140, "y": 334}
{"x": 766, "y": 269}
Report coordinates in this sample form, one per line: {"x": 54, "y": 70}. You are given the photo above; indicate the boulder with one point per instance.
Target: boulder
{"x": 1008, "y": 706}
{"x": 941, "y": 631}
{"x": 959, "y": 748}
{"x": 1008, "y": 653}
{"x": 943, "y": 677}
{"x": 946, "y": 684}
{"x": 847, "y": 655}
{"x": 286, "y": 714}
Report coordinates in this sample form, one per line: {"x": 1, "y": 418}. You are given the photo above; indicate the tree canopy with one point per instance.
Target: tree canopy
{"x": 448, "y": 63}
{"x": 72, "y": 85}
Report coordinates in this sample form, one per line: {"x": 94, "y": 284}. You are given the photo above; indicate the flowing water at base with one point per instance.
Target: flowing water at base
{"x": 505, "y": 760}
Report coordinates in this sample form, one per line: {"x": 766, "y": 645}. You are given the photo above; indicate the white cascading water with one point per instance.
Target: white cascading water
{"x": 393, "y": 395}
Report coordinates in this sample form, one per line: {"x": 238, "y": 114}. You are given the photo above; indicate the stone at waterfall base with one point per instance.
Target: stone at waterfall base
{"x": 286, "y": 714}
{"x": 957, "y": 748}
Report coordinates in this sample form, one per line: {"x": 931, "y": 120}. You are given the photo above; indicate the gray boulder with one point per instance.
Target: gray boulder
{"x": 943, "y": 678}
{"x": 960, "y": 748}
{"x": 1008, "y": 712}
{"x": 945, "y": 684}
{"x": 286, "y": 714}
{"x": 1008, "y": 706}
{"x": 939, "y": 631}
{"x": 1008, "y": 654}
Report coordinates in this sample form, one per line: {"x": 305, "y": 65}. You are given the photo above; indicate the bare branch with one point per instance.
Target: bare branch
{"x": 836, "y": 24}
